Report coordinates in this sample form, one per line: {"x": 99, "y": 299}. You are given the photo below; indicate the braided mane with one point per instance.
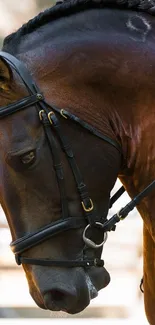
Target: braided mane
{"x": 70, "y": 7}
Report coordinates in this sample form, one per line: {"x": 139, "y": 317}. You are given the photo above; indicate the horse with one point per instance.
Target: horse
{"x": 77, "y": 94}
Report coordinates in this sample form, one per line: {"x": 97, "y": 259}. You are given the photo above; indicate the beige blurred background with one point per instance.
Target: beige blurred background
{"x": 121, "y": 302}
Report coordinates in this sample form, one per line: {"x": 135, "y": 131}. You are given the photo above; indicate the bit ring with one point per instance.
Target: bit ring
{"x": 91, "y": 243}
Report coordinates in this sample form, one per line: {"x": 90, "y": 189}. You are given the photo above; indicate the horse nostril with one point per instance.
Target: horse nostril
{"x": 59, "y": 300}
{"x": 57, "y": 296}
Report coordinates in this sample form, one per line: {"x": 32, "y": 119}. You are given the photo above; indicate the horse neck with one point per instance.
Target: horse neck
{"x": 138, "y": 135}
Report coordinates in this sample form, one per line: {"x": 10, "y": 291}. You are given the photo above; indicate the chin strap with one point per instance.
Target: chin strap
{"x": 57, "y": 263}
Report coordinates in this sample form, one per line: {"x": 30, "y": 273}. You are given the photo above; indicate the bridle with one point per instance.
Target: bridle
{"x": 48, "y": 115}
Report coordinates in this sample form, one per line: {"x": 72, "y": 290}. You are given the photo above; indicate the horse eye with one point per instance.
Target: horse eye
{"x": 28, "y": 158}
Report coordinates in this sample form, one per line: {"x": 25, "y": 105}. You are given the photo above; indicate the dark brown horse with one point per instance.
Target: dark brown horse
{"x": 97, "y": 59}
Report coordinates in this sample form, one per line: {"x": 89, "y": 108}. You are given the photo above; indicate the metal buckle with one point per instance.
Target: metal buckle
{"x": 62, "y": 113}
{"x": 49, "y": 116}
{"x": 119, "y": 215}
{"x": 90, "y": 208}
{"x": 89, "y": 242}
{"x": 40, "y": 114}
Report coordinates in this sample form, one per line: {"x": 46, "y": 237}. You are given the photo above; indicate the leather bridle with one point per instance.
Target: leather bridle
{"x": 48, "y": 115}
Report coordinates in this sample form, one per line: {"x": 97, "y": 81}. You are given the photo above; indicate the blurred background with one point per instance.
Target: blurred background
{"x": 122, "y": 301}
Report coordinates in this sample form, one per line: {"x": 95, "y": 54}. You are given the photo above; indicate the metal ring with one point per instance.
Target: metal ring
{"x": 89, "y": 242}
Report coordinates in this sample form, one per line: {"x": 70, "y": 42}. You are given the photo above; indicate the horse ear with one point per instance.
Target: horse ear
{"x": 5, "y": 75}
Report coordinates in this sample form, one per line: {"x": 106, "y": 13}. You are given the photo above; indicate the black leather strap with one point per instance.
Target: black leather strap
{"x": 22, "y": 71}
{"x": 56, "y": 162}
{"x": 86, "y": 126}
{"x": 34, "y": 238}
{"x": 123, "y": 213}
{"x": 57, "y": 263}
{"x": 81, "y": 186}
{"x": 20, "y": 105}
{"x": 116, "y": 196}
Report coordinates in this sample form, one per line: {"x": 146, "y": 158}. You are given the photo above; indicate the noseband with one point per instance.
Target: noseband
{"x": 48, "y": 115}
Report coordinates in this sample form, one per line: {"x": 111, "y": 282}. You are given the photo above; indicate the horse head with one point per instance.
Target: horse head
{"x": 73, "y": 120}
{"x": 54, "y": 182}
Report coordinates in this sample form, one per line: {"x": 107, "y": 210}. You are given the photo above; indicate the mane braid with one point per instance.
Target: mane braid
{"x": 69, "y": 7}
